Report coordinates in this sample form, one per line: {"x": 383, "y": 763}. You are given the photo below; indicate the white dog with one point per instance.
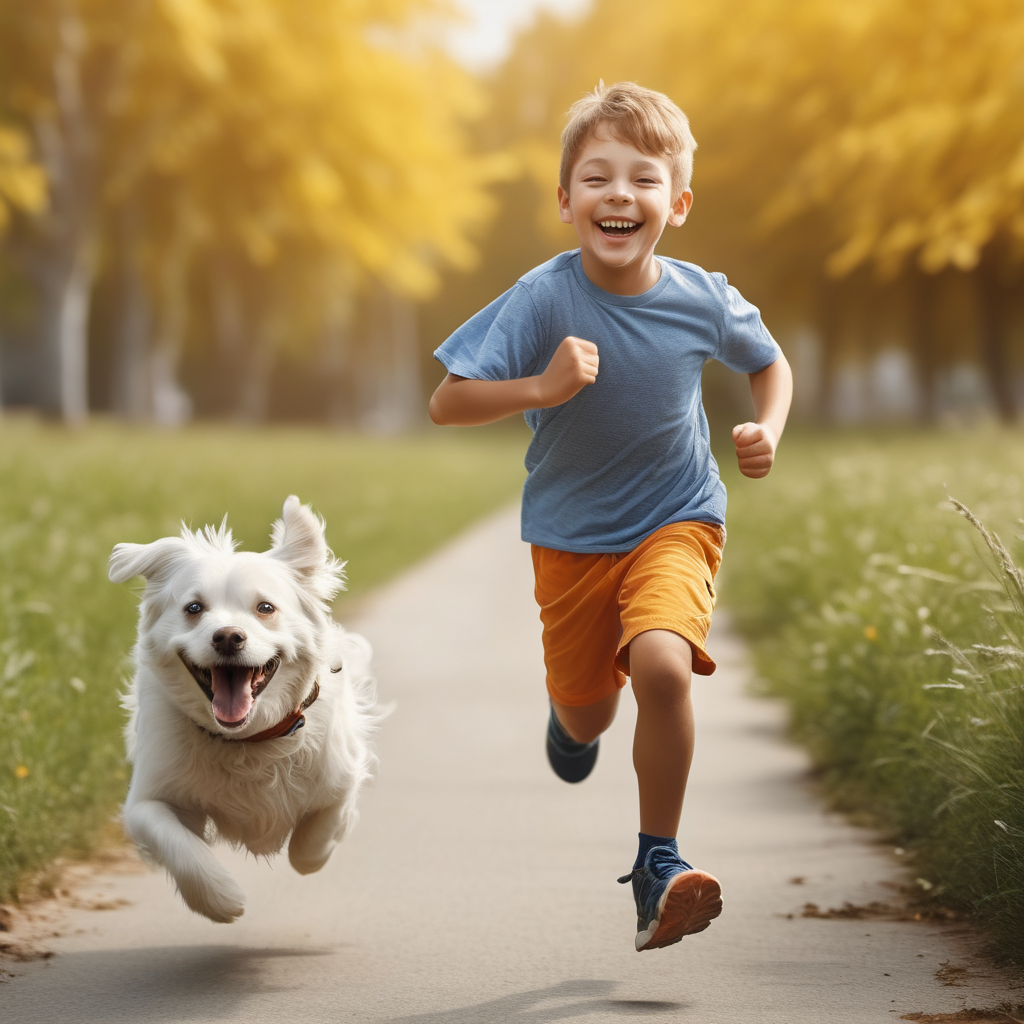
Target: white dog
{"x": 251, "y": 709}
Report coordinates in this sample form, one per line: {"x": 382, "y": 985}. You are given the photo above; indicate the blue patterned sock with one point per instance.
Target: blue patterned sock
{"x": 648, "y": 842}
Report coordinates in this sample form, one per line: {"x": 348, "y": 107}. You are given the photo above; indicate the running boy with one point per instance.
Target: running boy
{"x": 603, "y": 348}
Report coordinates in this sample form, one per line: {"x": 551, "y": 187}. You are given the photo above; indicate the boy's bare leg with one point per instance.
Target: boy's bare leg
{"x": 660, "y": 663}
{"x": 672, "y": 898}
{"x": 586, "y": 723}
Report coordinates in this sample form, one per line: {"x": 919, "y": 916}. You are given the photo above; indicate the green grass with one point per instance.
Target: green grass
{"x": 896, "y": 635}
{"x": 65, "y": 631}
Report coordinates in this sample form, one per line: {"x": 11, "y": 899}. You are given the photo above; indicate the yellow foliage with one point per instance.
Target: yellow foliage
{"x": 850, "y": 131}
{"x": 323, "y": 126}
{"x": 22, "y": 181}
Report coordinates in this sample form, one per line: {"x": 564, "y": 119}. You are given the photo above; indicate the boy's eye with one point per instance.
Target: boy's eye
{"x": 265, "y": 608}
{"x": 194, "y": 608}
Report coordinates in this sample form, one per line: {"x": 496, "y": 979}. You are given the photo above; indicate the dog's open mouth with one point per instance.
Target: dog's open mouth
{"x": 232, "y": 688}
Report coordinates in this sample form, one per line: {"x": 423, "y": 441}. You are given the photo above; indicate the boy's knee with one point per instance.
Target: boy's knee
{"x": 660, "y": 667}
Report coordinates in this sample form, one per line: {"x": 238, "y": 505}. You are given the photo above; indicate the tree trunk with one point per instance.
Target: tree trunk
{"x": 64, "y": 257}
{"x": 258, "y": 365}
{"x": 828, "y": 342}
{"x": 923, "y": 341}
{"x": 336, "y": 353}
{"x": 991, "y": 303}
{"x": 171, "y": 404}
{"x": 406, "y": 380}
{"x": 393, "y": 389}
{"x": 229, "y": 331}
{"x": 65, "y": 289}
{"x": 132, "y": 387}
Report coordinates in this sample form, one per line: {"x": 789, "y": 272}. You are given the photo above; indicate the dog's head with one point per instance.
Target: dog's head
{"x": 235, "y": 637}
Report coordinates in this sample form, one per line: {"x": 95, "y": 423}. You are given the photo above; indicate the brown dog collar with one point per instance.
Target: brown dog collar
{"x": 288, "y": 726}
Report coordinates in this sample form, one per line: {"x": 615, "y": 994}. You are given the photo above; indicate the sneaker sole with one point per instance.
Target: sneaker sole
{"x": 689, "y": 904}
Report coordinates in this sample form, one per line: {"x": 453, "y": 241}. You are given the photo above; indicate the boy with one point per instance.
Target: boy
{"x": 603, "y": 348}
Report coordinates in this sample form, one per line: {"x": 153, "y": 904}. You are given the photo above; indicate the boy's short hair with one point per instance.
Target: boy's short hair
{"x": 646, "y": 119}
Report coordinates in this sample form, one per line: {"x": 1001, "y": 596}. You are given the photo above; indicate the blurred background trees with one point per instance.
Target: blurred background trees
{"x": 266, "y": 209}
{"x": 224, "y": 178}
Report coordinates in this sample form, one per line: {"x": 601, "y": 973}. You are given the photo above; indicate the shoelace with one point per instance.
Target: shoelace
{"x": 662, "y": 862}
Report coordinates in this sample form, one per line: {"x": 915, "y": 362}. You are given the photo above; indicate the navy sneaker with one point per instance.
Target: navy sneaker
{"x": 673, "y": 899}
{"x": 570, "y": 760}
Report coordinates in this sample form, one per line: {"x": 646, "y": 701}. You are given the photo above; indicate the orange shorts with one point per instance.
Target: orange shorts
{"x": 592, "y": 606}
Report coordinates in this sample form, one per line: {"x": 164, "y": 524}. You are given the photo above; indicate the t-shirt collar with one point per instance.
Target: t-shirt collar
{"x": 610, "y": 298}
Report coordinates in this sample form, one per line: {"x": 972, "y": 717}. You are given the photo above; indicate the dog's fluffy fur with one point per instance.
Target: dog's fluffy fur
{"x": 230, "y": 643}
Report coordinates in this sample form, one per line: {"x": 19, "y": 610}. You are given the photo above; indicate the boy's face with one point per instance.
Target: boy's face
{"x": 619, "y": 201}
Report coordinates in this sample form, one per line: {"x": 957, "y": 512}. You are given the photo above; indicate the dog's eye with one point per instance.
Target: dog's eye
{"x": 194, "y": 608}
{"x": 265, "y": 608}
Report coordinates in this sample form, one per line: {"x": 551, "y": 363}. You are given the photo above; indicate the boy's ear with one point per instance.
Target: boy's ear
{"x": 680, "y": 208}
{"x": 564, "y": 210}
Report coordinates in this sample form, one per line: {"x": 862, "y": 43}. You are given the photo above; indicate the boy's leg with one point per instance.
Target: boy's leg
{"x": 672, "y": 898}
{"x": 584, "y": 724}
{"x": 660, "y": 667}
{"x": 573, "y": 731}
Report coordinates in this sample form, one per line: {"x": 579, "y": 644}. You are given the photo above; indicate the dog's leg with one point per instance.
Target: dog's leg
{"x": 204, "y": 884}
{"x": 318, "y": 833}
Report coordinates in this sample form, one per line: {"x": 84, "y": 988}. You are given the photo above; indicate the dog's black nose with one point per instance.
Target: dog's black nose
{"x": 229, "y": 639}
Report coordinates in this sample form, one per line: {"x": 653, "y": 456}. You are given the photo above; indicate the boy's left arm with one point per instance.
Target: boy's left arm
{"x": 772, "y": 391}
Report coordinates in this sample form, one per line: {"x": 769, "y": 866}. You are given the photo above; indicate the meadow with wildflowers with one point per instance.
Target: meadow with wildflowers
{"x": 891, "y": 620}
{"x": 66, "y": 632}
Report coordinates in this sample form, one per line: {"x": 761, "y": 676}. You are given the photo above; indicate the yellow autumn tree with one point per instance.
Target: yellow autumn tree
{"x": 843, "y": 144}
{"x": 327, "y": 134}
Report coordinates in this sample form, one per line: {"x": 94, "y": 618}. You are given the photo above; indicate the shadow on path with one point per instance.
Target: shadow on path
{"x": 574, "y": 999}
{"x": 164, "y": 983}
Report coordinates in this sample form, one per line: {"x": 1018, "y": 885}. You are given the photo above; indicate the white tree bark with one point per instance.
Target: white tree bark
{"x": 171, "y": 404}
{"x": 72, "y": 340}
{"x": 64, "y": 260}
{"x": 258, "y": 366}
{"x": 131, "y": 391}
{"x": 392, "y": 383}
{"x": 336, "y": 355}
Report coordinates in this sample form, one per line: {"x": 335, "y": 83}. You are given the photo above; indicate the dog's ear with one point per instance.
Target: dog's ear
{"x": 149, "y": 560}
{"x": 297, "y": 539}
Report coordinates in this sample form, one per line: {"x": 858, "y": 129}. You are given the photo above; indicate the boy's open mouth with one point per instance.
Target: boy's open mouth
{"x": 232, "y": 688}
{"x": 618, "y": 228}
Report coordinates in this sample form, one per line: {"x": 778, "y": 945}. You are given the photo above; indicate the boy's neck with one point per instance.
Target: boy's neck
{"x": 632, "y": 279}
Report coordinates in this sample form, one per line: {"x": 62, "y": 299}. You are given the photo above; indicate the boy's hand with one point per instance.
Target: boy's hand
{"x": 755, "y": 448}
{"x": 572, "y": 367}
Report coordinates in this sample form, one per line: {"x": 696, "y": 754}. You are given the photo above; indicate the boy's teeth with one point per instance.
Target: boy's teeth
{"x": 618, "y": 224}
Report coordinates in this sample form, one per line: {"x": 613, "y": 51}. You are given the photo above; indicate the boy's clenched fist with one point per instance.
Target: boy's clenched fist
{"x": 755, "y": 448}
{"x": 572, "y": 367}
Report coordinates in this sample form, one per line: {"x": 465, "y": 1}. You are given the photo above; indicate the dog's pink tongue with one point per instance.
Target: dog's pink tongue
{"x": 232, "y": 694}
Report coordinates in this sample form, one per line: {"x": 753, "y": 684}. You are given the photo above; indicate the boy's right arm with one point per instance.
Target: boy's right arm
{"x": 465, "y": 402}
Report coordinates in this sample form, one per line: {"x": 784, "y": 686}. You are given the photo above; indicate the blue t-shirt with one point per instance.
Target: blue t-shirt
{"x": 631, "y": 452}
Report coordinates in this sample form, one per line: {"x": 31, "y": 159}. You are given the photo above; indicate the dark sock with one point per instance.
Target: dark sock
{"x": 648, "y": 842}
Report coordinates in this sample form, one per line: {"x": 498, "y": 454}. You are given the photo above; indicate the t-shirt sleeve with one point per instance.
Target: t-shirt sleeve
{"x": 744, "y": 344}
{"x": 503, "y": 341}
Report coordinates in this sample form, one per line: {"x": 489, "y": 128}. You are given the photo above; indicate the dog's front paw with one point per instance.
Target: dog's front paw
{"x": 222, "y": 902}
{"x": 308, "y": 861}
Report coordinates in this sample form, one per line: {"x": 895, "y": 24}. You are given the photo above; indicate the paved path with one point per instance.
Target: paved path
{"x": 478, "y": 888}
